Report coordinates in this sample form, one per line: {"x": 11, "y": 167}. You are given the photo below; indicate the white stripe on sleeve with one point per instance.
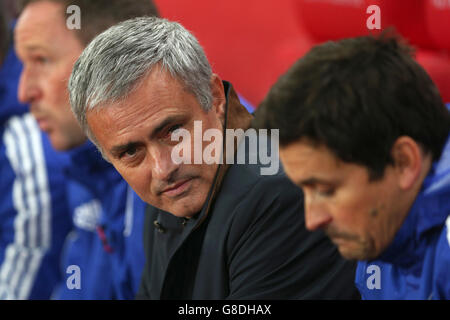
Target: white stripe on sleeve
{"x": 31, "y": 199}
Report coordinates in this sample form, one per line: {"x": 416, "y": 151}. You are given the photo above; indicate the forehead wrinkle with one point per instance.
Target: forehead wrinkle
{"x": 128, "y": 118}
{"x": 150, "y": 103}
{"x": 135, "y": 116}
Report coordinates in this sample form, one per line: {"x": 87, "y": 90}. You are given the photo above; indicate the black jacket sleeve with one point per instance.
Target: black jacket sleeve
{"x": 271, "y": 254}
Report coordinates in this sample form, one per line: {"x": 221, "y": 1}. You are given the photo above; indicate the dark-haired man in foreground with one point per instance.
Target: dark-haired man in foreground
{"x": 365, "y": 134}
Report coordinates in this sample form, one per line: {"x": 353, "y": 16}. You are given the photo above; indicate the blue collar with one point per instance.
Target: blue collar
{"x": 87, "y": 163}
{"x": 430, "y": 210}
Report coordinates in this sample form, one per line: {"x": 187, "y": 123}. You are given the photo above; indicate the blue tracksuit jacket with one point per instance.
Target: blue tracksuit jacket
{"x": 417, "y": 264}
{"x": 34, "y": 217}
{"x": 106, "y": 244}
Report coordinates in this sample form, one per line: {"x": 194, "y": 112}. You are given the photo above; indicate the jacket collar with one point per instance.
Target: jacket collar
{"x": 236, "y": 117}
{"x": 430, "y": 210}
{"x": 87, "y": 164}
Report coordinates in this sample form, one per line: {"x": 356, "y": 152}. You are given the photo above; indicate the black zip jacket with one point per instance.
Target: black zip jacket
{"x": 248, "y": 242}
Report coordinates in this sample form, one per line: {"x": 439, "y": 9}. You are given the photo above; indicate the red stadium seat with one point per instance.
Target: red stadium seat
{"x": 437, "y": 66}
{"x": 252, "y": 42}
{"x": 425, "y": 23}
{"x": 437, "y": 15}
{"x": 249, "y": 43}
{"x": 337, "y": 19}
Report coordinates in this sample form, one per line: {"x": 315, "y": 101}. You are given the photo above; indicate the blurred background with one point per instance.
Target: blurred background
{"x": 252, "y": 42}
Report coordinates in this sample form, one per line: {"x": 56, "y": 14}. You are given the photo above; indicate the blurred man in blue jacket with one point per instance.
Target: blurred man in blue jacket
{"x": 96, "y": 254}
{"x": 34, "y": 218}
{"x": 365, "y": 133}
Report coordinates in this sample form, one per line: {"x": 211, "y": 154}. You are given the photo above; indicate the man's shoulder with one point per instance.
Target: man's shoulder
{"x": 29, "y": 152}
{"x": 381, "y": 280}
{"x": 255, "y": 203}
{"x": 21, "y": 131}
{"x": 441, "y": 272}
{"x": 443, "y": 248}
{"x": 246, "y": 183}
{"x": 276, "y": 188}
{"x": 90, "y": 172}
{"x": 444, "y": 239}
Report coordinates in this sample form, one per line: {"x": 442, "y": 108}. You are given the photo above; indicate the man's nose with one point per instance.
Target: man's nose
{"x": 316, "y": 215}
{"x": 28, "y": 90}
{"x": 162, "y": 165}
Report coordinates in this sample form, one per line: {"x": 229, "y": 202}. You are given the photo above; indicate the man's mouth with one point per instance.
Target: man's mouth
{"x": 341, "y": 238}
{"x": 177, "y": 188}
{"x": 43, "y": 123}
{"x": 338, "y": 240}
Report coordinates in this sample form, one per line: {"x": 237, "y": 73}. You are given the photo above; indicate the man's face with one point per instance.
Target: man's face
{"x": 135, "y": 135}
{"x": 360, "y": 216}
{"x": 48, "y": 51}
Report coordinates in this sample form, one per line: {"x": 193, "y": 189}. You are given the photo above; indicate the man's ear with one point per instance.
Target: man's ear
{"x": 408, "y": 161}
{"x": 218, "y": 95}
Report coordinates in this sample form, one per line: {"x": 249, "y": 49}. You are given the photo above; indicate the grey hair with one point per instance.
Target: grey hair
{"x": 120, "y": 58}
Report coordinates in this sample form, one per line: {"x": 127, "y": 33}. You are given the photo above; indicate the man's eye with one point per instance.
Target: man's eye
{"x": 170, "y": 131}
{"x": 175, "y": 127}
{"x": 326, "y": 192}
{"x": 130, "y": 152}
{"x": 41, "y": 60}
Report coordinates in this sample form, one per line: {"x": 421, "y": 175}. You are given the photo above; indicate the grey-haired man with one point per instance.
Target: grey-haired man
{"x": 212, "y": 231}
